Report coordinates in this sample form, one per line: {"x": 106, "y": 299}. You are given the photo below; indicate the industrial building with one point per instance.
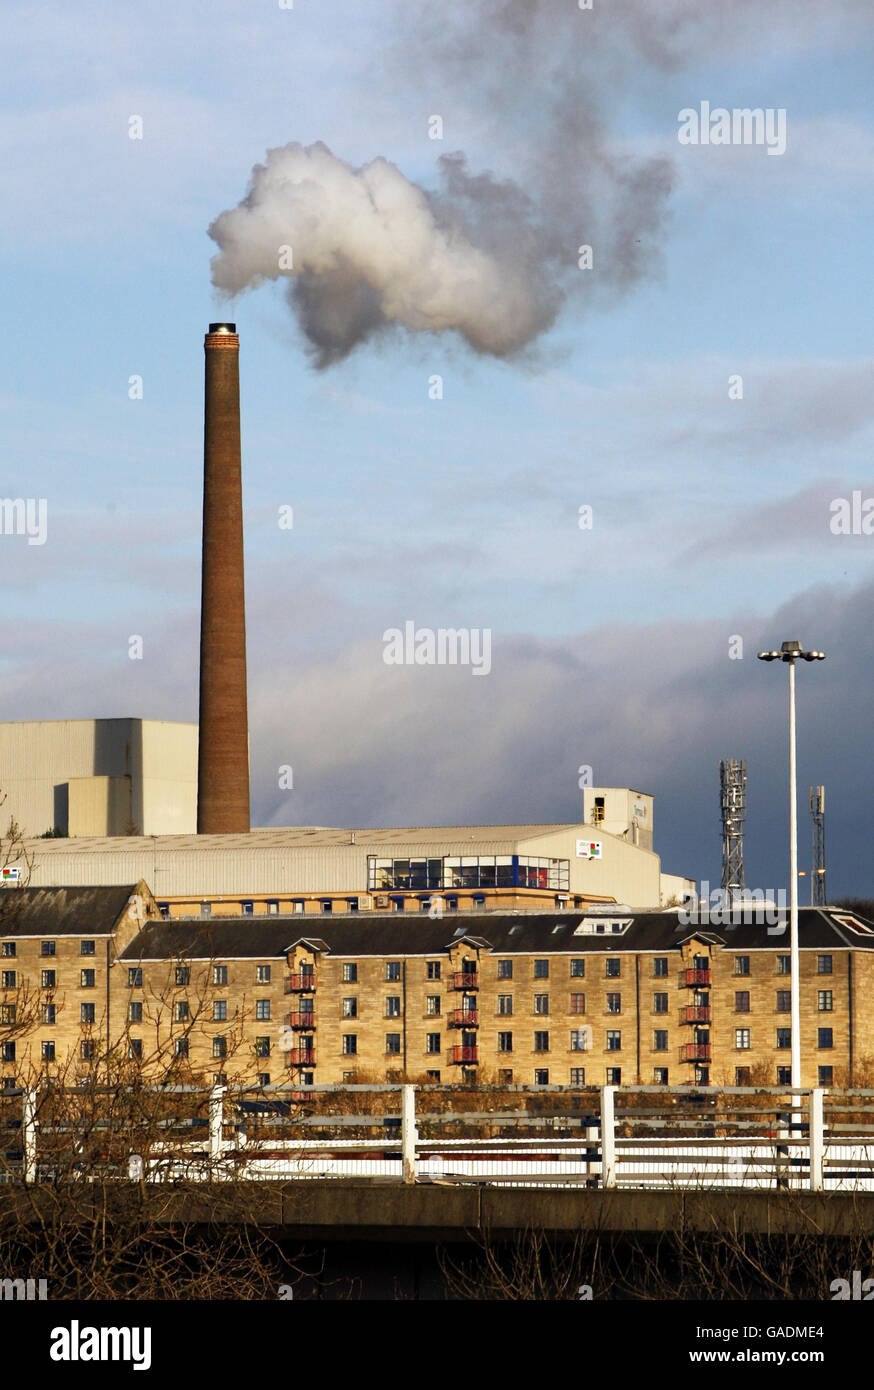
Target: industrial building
{"x": 86, "y": 777}
{"x": 318, "y": 870}
{"x": 604, "y": 996}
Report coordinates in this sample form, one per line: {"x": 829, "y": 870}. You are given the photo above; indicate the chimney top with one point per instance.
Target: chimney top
{"x": 222, "y": 328}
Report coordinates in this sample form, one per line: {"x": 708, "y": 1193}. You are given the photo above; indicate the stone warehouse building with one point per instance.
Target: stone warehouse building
{"x": 565, "y": 998}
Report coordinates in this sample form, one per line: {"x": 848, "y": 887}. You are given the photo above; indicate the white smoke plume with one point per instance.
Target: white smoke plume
{"x": 491, "y": 259}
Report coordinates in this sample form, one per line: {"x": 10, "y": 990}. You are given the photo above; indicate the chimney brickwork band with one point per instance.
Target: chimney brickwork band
{"x": 223, "y": 757}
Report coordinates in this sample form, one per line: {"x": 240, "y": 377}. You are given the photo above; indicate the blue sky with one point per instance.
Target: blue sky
{"x": 609, "y": 646}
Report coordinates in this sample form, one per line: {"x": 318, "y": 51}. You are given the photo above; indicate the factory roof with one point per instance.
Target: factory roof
{"x": 299, "y": 837}
{"x": 568, "y": 933}
{"x": 63, "y": 911}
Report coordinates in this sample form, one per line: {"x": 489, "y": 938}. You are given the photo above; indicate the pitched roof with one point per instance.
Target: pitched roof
{"x": 53, "y": 912}
{"x": 524, "y": 933}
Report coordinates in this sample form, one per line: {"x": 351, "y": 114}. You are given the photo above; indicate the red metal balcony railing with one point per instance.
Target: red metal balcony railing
{"x": 697, "y": 977}
{"x": 301, "y": 1020}
{"x": 695, "y": 1052}
{"x": 695, "y": 1013}
{"x": 300, "y": 984}
{"x": 301, "y": 1057}
{"x": 465, "y": 980}
{"x": 464, "y": 1054}
{"x": 463, "y": 1018}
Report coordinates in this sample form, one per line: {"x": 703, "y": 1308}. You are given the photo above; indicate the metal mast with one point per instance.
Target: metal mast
{"x": 817, "y": 874}
{"x": 733, "y": 802}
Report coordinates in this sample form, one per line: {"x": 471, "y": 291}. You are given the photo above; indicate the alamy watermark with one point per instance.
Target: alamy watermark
{"x": 739, "y": 126}
{"x": 28, "y": 1290}
{"x": 24, "y": 516}
{"x": 445, "y": 646}
{"x": 721, "y": 907}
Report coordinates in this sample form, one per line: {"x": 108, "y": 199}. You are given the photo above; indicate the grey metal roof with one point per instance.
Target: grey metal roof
{"x": 361, "y": 934}
{"x": 297, "y": 837}
{"x": 53, "y": 912}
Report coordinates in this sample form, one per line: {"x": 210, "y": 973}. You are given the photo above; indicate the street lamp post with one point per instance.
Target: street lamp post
{"x": 790, "y": 652}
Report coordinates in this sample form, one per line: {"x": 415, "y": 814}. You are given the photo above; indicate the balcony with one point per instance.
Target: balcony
{"x": 695, "y": 1052}
{"x": 300, "y": 984}
{"x": 464, "y": 1054}
{"x": 301, "y": 1020}
{"x": 463, "y": 1018}
{"x": 697, "y": 977}
{"x": 465, "y": 980}
{"x": 301, "y": 1057}
{"x": 695, "y": 1013}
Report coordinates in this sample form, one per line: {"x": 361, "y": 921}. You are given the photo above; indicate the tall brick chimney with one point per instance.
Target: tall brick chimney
{"x": 223, "y": 757}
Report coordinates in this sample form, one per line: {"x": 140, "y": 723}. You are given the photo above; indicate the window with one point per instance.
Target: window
{"x": 432, "y": 1005}
{"x": 742, "y": 1076}
{"x": 784, "y": 965}
{"x": 505, "y": 970}
{"x": 219, "y": 1010}
{"x": 48, "y": 1014}
{"x": 579, "y": 1040}
{"x": 47, "y": 979}
{"x": 393, "y": 970}
{"x": 435, "y": 1075}
{"x": 273, "y": 907}
{"x": 350, "y": 1044}
{"x": 8, "y": 979}
{"x": 742, "y": 1039}
{"x": 393, "y": 1043}
{"x": 578, "y": 1004}
{"x": 262, "y": 974}
{"x": 660, "y": 1003}
{"x": 164, "y": 909}
{"x": 7, "y": 1013}
{"x": 824, "y": 1076}
{"x": 350, "y": 1007}
{"x": 8, "y": 948}
{"x": 784, "y": 1076}
{"x": 824, "y": 1001}
{"x": 7, "y": 1051}
{"x": 784, "y": 1001}
{"x": 205, "y": 909}
{"x": 392, "y": 1006}
{"x": 47, "y": 948}
{"x": 824, "y": 1037}
{"x": 262, "y": 1047}
{"x": 660, "y": 1076}
{"x": 578, "y": 969}
{"x": 219, "y": 974}
{"x": 350, "y": 973}
{"x": 86, "y": 979}
{"x": 180, "y": 1047}
{"x": 262, "y": 1010}
{"x": 541, "y": 970}
{"x": 541, "y": 1077}
{"x": 614, "y": 1003}
{"x": 135, "y": 1048}
{"x": 613, "y": 967}
{"x": 182, "y": 974}
{"x": 135, "y": 1013}
{"x": 48, "y": 1051}
{"x": 741, "y": 965}
{"x": 87, "y": 1049}
{"x": 86, "y": 948}
{"x": 614, "y": 1040}
{"x": 247, "y": 909}
{"x": 86, "y": 1013}
{"x": 298, "y": 905}
{"x": 823, "y": 965}
{"x": 660, "y": 966}
{"x": 432, "y": 1042}
{"x": 742, "y": 1001}
{"x": 327, "y": 905}
{"x": 180, "y": 1011}
{"x": 433, "y": 969}
{"x": 578, "y": 1076}
{"x": 660, "y": 1040}
{"x": 219, "y": 1047}
{"x": 541, "y": 1003}
{"x": 505, "y": 1042}
{"x": 541, "y": 1042}
{"x": 784, "y": 1037}
{"x": 614, "y": 1076}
